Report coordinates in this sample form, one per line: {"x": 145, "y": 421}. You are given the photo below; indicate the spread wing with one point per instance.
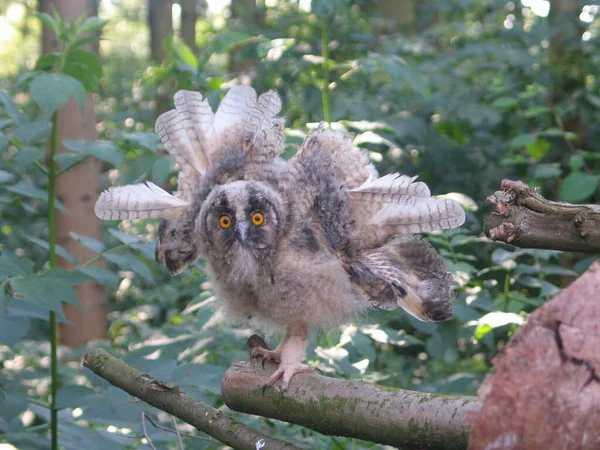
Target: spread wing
{"x": 364, "y": 218}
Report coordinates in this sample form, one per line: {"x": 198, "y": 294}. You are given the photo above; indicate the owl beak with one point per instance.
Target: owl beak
{"x": 242, "y": 230}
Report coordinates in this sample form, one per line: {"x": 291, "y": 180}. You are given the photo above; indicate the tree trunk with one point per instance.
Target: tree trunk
{"x": 189, "y": 15}
{"x": 160, "y": 22}
{"x": 78, "y": 190}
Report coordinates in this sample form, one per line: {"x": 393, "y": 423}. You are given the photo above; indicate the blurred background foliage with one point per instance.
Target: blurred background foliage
{"x": 463, "y": 93}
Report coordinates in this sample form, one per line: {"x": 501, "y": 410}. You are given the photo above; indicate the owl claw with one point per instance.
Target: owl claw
{"x": 266, "y": 355}
{"x": 285, "y": 372}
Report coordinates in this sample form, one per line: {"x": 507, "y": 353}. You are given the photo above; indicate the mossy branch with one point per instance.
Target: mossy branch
{"x": 401, "y": 418}
{"x": 525, "y": 219}
{"x": 171, "y": 400}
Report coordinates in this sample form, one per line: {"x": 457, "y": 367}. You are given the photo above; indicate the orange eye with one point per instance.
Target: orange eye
{"x": 225, "y": 221}
{"x": 258, "y": 218}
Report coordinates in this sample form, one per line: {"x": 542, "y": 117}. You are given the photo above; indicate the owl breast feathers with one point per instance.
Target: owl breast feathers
{"x": 297, "y": 244}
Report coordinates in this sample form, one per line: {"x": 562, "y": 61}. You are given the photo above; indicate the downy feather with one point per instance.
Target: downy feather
{"x": 144, "y": 200}
{"x": 234, "y": 106}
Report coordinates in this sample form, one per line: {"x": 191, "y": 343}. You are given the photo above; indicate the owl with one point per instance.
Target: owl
{"x": 293, "y": 246}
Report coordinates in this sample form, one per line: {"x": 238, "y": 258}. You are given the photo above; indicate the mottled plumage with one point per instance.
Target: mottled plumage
{"x": 297, "y": 245}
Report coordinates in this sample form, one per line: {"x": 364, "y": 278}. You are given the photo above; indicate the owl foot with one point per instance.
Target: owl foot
{"x": 266, "y": 355}
{"x": 285, "y": 372}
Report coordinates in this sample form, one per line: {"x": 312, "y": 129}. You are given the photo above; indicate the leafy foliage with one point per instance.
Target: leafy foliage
{"x": 464, "y": 98}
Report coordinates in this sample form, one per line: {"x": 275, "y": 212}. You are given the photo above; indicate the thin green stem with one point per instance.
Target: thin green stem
{"x": 325, "y": 86}
{"x": 52, "y": 261}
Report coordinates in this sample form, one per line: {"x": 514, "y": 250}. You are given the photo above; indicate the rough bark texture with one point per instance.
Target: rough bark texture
{"x": 171, "y": 400}
{"x": 525, "y": 219}
{"x": 545, "y": 391}
{"x": 404, "y": 419}
{"x": 78, "y": 190}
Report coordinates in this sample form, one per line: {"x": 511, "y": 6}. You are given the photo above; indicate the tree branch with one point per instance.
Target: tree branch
{"x": 356, "y": 409}
{"x": 526, "y": 219}
{"x": 171, "y": 400}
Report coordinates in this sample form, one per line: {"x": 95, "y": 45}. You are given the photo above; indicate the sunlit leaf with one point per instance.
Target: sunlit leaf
{"x": 52, "y": 90}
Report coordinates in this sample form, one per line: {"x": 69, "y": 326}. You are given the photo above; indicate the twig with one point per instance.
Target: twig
{"x": 146, "y": 432}
{"x": 171, "y": 400}
{"x": 177, "y": 431}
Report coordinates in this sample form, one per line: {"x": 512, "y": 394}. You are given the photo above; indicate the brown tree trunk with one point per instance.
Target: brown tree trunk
{"x": 189, "y": 15}
{"x": 160, "y": 22}
{"x": 78, "y": 190}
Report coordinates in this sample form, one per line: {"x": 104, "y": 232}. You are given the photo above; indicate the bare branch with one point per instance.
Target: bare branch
{"x": 526, "y": 219}
{"x": 401, "y": 418}
{"x": 171, "y": 400}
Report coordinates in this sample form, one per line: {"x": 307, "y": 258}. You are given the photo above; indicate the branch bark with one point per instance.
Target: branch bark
{"x": 526, "y": 219}
{"x": 171, "y": 400}
{"x": 401, "y": 418}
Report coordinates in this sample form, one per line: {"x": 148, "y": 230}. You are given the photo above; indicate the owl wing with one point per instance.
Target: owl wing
{"x": 364, "y": 218}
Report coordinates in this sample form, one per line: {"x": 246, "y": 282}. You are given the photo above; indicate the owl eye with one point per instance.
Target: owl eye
{"x": 225, "y": 221}
{"x": 258, "y": 218}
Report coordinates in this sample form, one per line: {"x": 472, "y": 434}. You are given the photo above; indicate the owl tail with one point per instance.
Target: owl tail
{"x": 407, "y": 273}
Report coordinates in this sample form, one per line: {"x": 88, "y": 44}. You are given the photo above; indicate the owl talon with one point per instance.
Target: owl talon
{"x": 266, "y": 355}
{"x": 285, "y": 372}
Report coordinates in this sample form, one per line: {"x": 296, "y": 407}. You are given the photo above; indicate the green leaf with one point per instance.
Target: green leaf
{"x": 92, "y": 24}
{"x": 12, "y": 330}
{"x": 494, "y": 320}
{"x": 593, "y": 100}
{"x": 538, "y": 149}
{"x": 88, "y": 242}
{"x": 576, "y": 162}
{"x": 523, "y": 140}
{"x": 131, "y": 263}
{"x": 577, "y": 186}
{"x": 60, "y": 250}
{"x": 547, "y": 170}
{"x": 33, "y": 131}
{"x": 47, "y": 61}
{"x": 67, "y": 160}
{"x": 103, "y": 150}
{"x": 85, "y": 67}
{"x": 505, "y": 103}
{"x": 101, "y": 276}
{"x": 536, "y": 111}
{"x": 48, "y": 21}
{"x": 3, "y": 141}
{"x": 143, "y": 139}
{"x": 11, "y": 265}
{"x": 27, "y": 156}
{"x": 27, "y": 190}
{"x": 52, "y": 90}
{"x": 10, "y": 108}
{"x": 48, "y": 293}
{"x": 161, "y": 169}
{"x": 325, "y": 9}
{"x": 5, "y": 177}
{"x": 76, "y": 396}
{"x": 123, "y": 237}
{"x": 70, "y": 277}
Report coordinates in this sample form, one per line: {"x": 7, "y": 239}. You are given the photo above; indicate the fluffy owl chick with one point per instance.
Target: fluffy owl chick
{"x": 294, "y": 246}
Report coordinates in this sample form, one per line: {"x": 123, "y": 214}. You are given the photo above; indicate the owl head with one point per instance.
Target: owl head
{"x": 240, "y": 225}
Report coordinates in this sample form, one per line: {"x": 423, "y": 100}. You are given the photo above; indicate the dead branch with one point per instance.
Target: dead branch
{"x": 526, "y": 219}
{"x": 171, "y": 400}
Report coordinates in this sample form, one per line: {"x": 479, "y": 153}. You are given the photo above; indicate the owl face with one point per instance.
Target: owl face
{"x": 240, "y": 224}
